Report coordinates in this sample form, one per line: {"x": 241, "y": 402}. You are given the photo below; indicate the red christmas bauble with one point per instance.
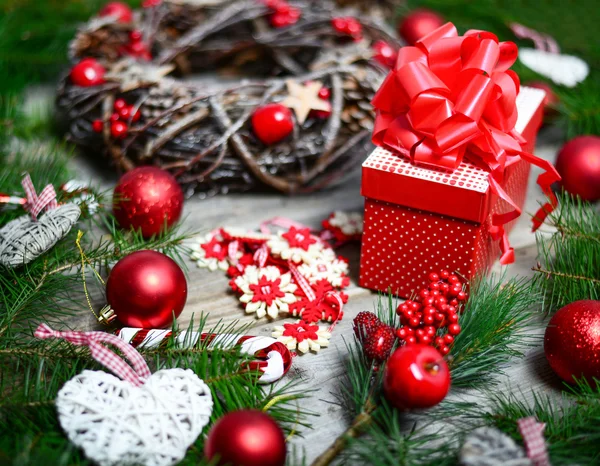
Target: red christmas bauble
{"x": 145, "y": 289}
{"x": 416, "y": 376}
{"x": 246, "y": 438}
{"x": 418, "y": 24}
{"x": 385, "y": 53}
{"x": 146, "y": 198}
{"x": 272, "y": 123}
{"x": 572, "y": 341}
{"x": 119, "y": 10}
{"x": 578, "y": 163}
{"x": 88, "y": 72}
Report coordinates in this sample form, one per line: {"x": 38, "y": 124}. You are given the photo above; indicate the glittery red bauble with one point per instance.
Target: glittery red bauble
{"x": 418, "y": 24}
{"x": 572, "y": 341}
{"x": 416, "y": 376}
{"x": 246, "y": 438}
{"x": 578, "y": 163}
{"x": 88, "y": 72}
{"x": 118, "y": 9}
{"x": 145, "y": 197}
{"x": 272, "y": 123}
{"x": 145, "y": 289}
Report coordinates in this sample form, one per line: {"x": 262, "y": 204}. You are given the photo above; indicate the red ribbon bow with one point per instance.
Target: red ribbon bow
{"x": 35, "y": 204}
{"x": 451, "y": 97}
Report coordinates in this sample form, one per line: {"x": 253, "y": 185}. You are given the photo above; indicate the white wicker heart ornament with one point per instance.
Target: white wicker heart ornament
{"x": 142, "y": 419}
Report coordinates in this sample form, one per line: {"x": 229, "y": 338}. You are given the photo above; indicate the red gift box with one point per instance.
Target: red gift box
{"x": 419, "y": 219}
{"x": 450, "y": 175}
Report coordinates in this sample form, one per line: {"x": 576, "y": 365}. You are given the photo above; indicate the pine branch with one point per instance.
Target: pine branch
{"x": 568, "y": 269}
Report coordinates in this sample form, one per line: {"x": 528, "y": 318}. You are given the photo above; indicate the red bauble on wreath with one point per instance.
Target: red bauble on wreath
{"x": 119, "y": 10}
{"x": 572, "y": 341}
{"x": 418, "y": 24}
{"x": 146, "y": 289}
{"x": 88, "y": 72}
{"x": 416, "y": 376}
{"x": 147, "y": 198}
{"x": 272, "y": 123}
{"x": 248, "y": 438}
{"x": 578, "y": 163}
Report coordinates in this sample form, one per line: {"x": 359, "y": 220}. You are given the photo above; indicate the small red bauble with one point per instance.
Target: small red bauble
{"x": 416, "y": 376}
{"x": 272, "y": 123}
{"x": 118, "y": 130}
{"x": 348, "y": 26}
{"x": 145, "y": 289}
{"x": 378, "y": 344}
{"x": 578, "y": 164}
{"x": 88, "y": 72}
{"x": 248, "y": 438}
{"x": 146, "y": 198}
{"x": 119, "y": 10}
{"x": 572, "y": 341}
{"x": 418, "y": 24}
{"x": 385, "y": 53}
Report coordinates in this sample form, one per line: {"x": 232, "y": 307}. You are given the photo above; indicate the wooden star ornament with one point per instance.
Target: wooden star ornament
{"x": 303, "y": 98}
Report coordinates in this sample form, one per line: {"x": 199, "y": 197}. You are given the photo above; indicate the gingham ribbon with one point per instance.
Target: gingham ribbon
{"x": 532, "y": 432}
{"x": 232, "y": 251}
{"x": 35, "y": 204}
{"x": 541, "y": 41}
{"x": 135, "y": 375}
{"x": 261, "y": 255}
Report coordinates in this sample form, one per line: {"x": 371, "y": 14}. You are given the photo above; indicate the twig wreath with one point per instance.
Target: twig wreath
{"x": 295, "y": 119}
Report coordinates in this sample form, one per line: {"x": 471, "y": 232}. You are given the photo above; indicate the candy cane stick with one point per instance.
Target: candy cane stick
{"x": 274, "y": 358}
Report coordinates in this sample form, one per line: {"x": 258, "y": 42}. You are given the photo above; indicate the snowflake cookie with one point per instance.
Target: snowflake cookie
{"x": 296, "y": 245}
{"x": 210, "y": 251}
{"x": 266, "y": 291}
{"x": 302, "y": 336}
{"x": 349, "y": 223}
{"x": 334, "y": 271}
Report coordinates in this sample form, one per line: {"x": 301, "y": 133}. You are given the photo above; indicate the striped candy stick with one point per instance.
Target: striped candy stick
{"x": 274, "y": 358}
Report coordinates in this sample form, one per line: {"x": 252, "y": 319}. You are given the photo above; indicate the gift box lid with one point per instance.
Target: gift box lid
{"x": 463, "y": 193}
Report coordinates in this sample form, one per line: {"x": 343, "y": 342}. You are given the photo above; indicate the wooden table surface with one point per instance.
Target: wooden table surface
{"x": 209, "y": 293}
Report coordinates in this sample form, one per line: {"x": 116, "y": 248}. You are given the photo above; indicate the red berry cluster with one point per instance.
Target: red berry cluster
{"x": 136, "y": 47}
{"x": 435, "y": 307}
{"x": 151, "y": 3}
{"x": 376, "y": 337}
{"x": 283, "y": 13}
{"x": 119, "y": 120}
{"x": 348, "y": 26}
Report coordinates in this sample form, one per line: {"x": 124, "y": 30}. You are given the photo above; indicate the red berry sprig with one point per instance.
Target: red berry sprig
{"x": 435, "y": 308}
{"x": 283, "y": 14}
{"x": 348, "y": 26}
{"x": 123, "y": 113}
{"x": 324, "y": 94}
{"x": 136, "y": 47}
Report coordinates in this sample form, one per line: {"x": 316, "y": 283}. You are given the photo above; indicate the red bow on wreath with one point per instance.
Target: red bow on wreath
{"x": 451, "y": 97}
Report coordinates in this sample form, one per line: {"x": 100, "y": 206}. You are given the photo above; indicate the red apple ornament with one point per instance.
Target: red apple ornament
{"x": 416, "y": 376}
{"x": 119, "y": 10}
{"x": 248, "y": 438}
{"x": 572, "y": 341}
{"x": 88, "y": 72}
{"x": 272, "y": 123}
{"x": 418, "y": 24}
{"x": 146, "y": 199}
{"x": 146, "y": 289}
{"x": 578, "y": 164}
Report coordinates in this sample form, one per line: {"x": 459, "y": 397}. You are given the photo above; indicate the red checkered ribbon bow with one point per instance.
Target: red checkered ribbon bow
{"x": 35, "y": 204}
{"x": 136, "y": 373}
{"x": 533, "y": 436}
